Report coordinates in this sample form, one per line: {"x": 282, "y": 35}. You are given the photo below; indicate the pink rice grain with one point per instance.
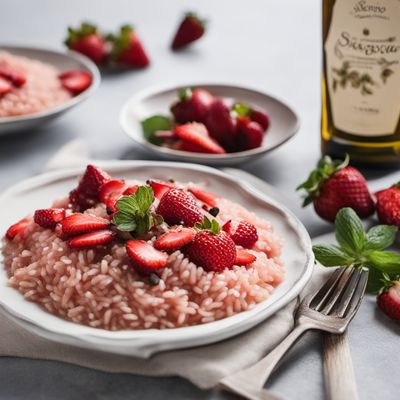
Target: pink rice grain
{"x": 98, "y": 288}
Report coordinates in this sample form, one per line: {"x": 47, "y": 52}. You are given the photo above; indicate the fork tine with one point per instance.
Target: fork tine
{"x": 357, "y": 297}
{"x": 347, "y": 295}
{"x": 319, "y": 298}
{"x": 339, "y": 289}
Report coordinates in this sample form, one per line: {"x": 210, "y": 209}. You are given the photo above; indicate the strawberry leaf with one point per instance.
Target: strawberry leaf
{"x": 154, "y": 124}
{"x": 350, "y": 232}
{"x": 331, "y": 255}
{"x": 380, "y": 237}
{"x": 241, "y": 109}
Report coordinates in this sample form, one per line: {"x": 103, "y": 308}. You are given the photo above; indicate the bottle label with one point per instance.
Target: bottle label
{"x": 362, "y": 53}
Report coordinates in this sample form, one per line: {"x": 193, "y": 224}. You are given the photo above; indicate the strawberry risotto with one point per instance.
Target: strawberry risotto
{"x": 28, "y": 86}
{"x": 132, "y": 255}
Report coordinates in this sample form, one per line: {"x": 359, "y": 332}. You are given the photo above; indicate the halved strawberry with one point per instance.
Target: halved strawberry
{"x": 49, "y": 217}
{"x": 197, "y": 134}
{"x": 76, "y": 224}
{"x": 76, "y": 81}
{"x": 86, "y": 195}
{"x": 110, "y": 192}
{"x": 174, "y": 239}
{"x": 204, "y": 196}
{"x": 187, "y": 146}
{"x": 17, "y": 228}
{"x": 16, "y": 78}
{"x": 102, "y": 236}
{"x": 243, "y": 257}
{"x": 5, "y": 86}
{"x": 144, "y": 257}
{"x": 160, "y": 187}
{"x": 242, "y": 233}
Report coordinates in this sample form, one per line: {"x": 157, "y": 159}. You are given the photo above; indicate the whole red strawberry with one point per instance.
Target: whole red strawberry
{"x": 88, "y": 41}
{"x": 128, "y": 49}
{"x": 212, "y": 249}
{"x": 192, "y": 106}
{"x": 389, "y": 298}
{"x": 242, "y": 233}
{"x": 250, "y": 133}
{"x": 388, "y": 205}
{"x": 179, "y": 207}
{"x": 221, "y": 125}
{"x": 334, "y": 185}
{"x": 86, "y": 195}
{"x": 190, "y": 29}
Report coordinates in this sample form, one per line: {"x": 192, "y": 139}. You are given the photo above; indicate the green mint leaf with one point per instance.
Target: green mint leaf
{"x": 380, "y": 237}
{"x": 154, "y": 124}
{"x": 241, "y": 109}
{"x": 127, "y": 205}
{"x": 384, "y": 261}
{"x": 330, "y": 255}
{"x": 144, "y": 224}
{"x": 350, "y": 232}
{"x": 374, "y": 283}
{"x": 144, "y": 198}
{"x": 128, "y": 226}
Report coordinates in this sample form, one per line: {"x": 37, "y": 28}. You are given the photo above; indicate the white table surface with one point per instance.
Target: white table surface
{"x": 274, "y": 45}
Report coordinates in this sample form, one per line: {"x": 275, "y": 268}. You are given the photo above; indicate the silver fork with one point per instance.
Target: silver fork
{"x": 330, "y": 309}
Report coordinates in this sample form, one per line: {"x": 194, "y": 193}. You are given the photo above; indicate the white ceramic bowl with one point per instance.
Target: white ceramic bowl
{"x": 40, "y": 191}
{"x": 62, "y": 61}
{"x": 157, "y": 100}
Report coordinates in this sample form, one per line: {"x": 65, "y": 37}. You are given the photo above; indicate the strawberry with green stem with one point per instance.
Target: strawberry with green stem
{"x": 334, "y": 185}
{"x": 127, "y": 48}
{"x": 190, "y": 29}
{"x": 87, "y": 40}
{"x": 388, "y": 299}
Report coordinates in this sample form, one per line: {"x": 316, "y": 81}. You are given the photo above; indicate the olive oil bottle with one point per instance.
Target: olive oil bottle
{"x": 361, "y": 80}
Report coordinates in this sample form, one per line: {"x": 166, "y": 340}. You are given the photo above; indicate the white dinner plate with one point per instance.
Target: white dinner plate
{"x": 40, "y": 191}
{"x": 63, "y": 61}
{"x": 158, "y": 100}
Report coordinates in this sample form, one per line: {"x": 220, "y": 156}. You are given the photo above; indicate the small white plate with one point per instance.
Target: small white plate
{"x": 62, "y": 61}
{"x": 40, "y": 191}
{"x": 284, "y": 121}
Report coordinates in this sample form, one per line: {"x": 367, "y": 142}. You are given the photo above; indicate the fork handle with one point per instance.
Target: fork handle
{"x": 340, "y": 381}
{"x": 250, "y": 381}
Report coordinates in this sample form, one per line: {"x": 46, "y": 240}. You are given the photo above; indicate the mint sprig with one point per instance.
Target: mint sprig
{"x": 133, "y": 213}
{"x": 362, "y": 249}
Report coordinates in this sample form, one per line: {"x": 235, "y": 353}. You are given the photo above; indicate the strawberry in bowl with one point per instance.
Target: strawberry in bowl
{"x": 121, "y": 254}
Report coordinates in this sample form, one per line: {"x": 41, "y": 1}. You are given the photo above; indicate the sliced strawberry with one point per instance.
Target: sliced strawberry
{"x": 131, "y": 190}
{"x": 17, "y": 228}
{"x": 260, "y": 117}
{"x": 174, "y": 239}
{"x": 197, "y": 134}
{"x": 76, "y": 81}
{"x": 102, "y": 236}
{"x": 190, "y": 29}
{"x": 144, "y": 257}
{"x": 49, "y": 217}
{"x": 204, "y": 196}
{"x": 243, "y": 257}
{"x": 242, "y": 233}
{"x": 76, "y": 224}
{"x": 187, "y": 146}
{"x": 110, "y": 192}
{"x": 16, "y": 78}
{"x": 160, "y": 187}
{"x": 5, "y": 86}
